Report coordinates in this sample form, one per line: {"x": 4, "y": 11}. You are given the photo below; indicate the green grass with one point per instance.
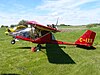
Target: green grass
{"x": 53, "y": 60}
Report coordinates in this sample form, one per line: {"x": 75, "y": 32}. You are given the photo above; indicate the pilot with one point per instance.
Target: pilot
{"x": 34, "y": 33}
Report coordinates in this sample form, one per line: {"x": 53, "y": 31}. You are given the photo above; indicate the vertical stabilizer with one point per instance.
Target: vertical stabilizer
{"x": 86, "y": 39}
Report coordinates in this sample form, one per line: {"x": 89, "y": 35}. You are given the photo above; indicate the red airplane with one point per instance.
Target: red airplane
{"x": 40, "y": 34}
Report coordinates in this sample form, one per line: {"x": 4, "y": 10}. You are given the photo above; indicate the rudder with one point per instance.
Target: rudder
{"x": 86, "y": 39}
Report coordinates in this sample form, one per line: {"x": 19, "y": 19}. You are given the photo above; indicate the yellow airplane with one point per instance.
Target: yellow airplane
{"x": 14, "y": 29}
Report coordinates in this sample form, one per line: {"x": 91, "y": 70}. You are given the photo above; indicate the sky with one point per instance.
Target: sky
{"x": 70, "y": 12}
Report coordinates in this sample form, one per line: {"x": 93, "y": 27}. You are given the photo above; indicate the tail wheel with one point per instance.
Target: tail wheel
{"x": 13, "y": 42}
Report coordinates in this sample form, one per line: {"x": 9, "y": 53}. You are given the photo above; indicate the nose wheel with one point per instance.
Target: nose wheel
{"x": 13, "y": 41}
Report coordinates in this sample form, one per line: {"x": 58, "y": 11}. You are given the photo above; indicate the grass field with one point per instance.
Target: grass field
{"x": 52, "y": 60}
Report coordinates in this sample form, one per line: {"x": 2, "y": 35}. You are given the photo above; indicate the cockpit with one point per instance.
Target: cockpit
{"x": 31, "y": 33}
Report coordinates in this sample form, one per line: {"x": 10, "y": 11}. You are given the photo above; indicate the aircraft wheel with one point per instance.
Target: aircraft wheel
{"x": 33, "y": 49}
{"x": 13, "y": 42}
{"x": 6, "y": 34}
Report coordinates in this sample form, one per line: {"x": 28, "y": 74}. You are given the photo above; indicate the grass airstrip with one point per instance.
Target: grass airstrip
{"x": 18, "y": 59}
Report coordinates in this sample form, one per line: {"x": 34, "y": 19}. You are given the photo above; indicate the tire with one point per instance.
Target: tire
{"x": 13, "y": 42}
{"x": 33, "y": 49}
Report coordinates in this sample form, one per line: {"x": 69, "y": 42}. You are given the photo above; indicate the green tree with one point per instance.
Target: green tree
{"x": 2, "y": 26}
{"x": 23, "y": 22}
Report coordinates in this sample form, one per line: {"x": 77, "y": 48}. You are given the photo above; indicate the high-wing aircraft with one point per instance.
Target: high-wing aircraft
{"x": 40, "y": 34}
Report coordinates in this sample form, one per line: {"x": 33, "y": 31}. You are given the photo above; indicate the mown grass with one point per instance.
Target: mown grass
{"x": 52, "y": 60}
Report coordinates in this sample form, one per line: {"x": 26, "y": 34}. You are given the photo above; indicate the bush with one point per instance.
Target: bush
{"x": 91, "y": 25}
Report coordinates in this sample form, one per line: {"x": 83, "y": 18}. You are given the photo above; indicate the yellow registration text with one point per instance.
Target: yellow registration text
{"x": 87, "y": 40}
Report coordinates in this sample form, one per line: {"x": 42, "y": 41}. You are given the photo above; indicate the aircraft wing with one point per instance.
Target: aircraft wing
{"x": 42, "y": 27}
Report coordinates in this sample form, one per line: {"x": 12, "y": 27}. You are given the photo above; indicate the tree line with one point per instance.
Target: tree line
{"x": 24, "y": 22}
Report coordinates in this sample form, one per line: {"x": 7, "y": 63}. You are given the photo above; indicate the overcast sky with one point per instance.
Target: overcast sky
{"x": 74, "y": 12}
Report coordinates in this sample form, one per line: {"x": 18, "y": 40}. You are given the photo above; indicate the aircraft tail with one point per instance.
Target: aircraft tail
{"x": 86, "y": 39}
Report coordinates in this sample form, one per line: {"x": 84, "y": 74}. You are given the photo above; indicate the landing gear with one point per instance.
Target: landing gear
{"x": 13, "y": 41}
{"x": 36, "y": 49}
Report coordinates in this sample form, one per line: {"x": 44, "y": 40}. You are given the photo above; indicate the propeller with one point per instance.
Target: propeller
{"x": 57, "y": 23}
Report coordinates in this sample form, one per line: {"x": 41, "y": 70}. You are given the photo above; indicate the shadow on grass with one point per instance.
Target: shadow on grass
{"x": 87, "y": 48}
{"x": 57, "y": 56}
{"x": 23, "y": 48}
{"x": 9, "y": 74}
{"x": 41, "y": 47}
